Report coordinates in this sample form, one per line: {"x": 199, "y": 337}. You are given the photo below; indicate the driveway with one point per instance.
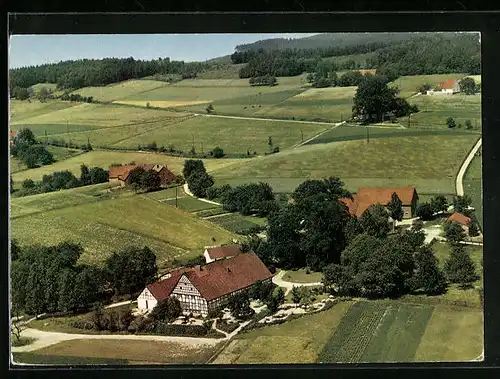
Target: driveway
{"x": 278, "y": 280}
{"x": 459, "y": 182}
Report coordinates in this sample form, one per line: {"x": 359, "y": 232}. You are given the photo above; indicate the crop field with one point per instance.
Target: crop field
{"x": 35, "y": 358}
{"x": 332, "y": 104}
{"x": 453, "y": 334}
{"x": 428, "y": 162}
{"x": 236, "y": 223}
{"x": 232, "y": 135}
{"x": 104, "y": 159}
{"x": 377, "y": 332}
{"x": 435, "y": 110}
{"x": 366, "y": 331}
{"x": 123, "y": 221}
{"x": 99, "y": 115}
{"x": 120, "y": 90}
{"x": 190, "y": 204}
{"x": 22, "y": 110}
{"x": 408, "y": 85}
{"x": 354, "y": 132}
{"x": 303, "y": 338}
{"x": 473, "y": 187}
{"x": 133, "y": 351}
{"x": 250, "y": 105}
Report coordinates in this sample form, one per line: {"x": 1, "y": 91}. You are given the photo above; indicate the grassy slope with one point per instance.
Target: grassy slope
{"x": 232, "y": 135}
{"x": 331, "y": 104}
{"x": 429, "y": 162}
{"x": 110, "y": 224}
{"x": 104, "y": 159}
{"x": 435, "y": 110}
{"x": 473, "y": 186}
{"x": 408, "y": 85}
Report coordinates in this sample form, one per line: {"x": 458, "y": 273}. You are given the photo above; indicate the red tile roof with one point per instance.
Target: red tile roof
{"x": 218, "y": 278}
{"x": 223, "y": 251}
{"x": 459, "y": 218}
{"x": 162, "y": 289}
{"x": 225, "y": 276}
{"x": 448, "y": 84}
{"x": 366, "y": 197}
{"x": 123, "y": 172}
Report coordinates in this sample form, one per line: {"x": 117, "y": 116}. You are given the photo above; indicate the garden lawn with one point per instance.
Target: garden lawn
{"x": 300, "y": 276}
{"x": 316, "y": 104}
{"x": 104, "y": 159}
{"x": 133, "y": 351}
{"x": 234, "y": 136}
{"x": 473, "y": 187}
{"x": 429, "y": 162}
{"x": 112, "y": 224}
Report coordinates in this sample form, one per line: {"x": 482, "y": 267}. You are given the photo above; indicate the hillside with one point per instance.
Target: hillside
{"x": 326, "y": 40}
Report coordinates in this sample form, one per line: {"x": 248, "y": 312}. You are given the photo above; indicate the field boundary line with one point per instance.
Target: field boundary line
{"x": 318, "y": 135}
{"x": 188, "y": 192}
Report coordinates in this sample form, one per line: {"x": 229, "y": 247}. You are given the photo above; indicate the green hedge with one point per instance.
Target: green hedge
{"x": 228, "y": 328}
{"x": 164, "y": 329}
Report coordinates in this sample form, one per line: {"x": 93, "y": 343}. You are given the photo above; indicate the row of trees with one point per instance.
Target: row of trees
{"x": 51, "y": 279}
{"x": 266, "y": 80}
{"x": 64, "y": 180}
{"x": 75, "y": 97}
{"x": 27, "y": 149}
{"x": 99, "y": 72}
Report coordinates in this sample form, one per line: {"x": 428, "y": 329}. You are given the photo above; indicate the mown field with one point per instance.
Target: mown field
{"x": 365, "y": 331}
{"x": 105, "y": 222}
{"x": 120, "y": 90}
{"x": 428, "y": 162}
{"x": 234, "y": 136}
{"x": 104, "y": 159}
{"x": 435, "y": 110}
{"x": 330, "y": 104}
{"x": 473, "y": 186}
{"x": 408, "y": 85}
{"x": 107, "y": 351}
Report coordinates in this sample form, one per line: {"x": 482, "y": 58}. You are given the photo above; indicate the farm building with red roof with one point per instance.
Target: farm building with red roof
{"x": 214, "y": 253}
{"x": 121, "y": 173}
{"x": 366, "y": 197}
{"x": 447, "y": 87}
{"x": 460, "y": 219}
{"x": 202, "y": 289}
{"x": 12, "y": 136}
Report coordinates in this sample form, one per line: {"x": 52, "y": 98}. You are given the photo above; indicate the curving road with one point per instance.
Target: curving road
{"x": 459, "y": 185}
{"x": 278, "y": 280}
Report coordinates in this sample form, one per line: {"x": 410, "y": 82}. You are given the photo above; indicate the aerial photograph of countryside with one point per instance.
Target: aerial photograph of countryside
{"x": 225, "y": 199}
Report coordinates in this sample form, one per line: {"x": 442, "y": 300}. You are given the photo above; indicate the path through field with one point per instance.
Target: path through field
{"x": 318, "y": 135}
{"x": 460, "y": 176}
{"x": 186, "y": 189}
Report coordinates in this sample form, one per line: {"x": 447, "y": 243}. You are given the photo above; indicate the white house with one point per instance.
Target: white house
{"x": 449, "y": 87}
{"x": 204, "y": 288}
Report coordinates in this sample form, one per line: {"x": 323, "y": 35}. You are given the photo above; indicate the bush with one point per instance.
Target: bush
{"x": 226, "y": 327}
{"x": 82, "y": 324}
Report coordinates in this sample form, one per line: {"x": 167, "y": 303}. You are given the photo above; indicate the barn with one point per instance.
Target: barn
{"x": 206, "y": 288}
{"x": 121, "y": 174}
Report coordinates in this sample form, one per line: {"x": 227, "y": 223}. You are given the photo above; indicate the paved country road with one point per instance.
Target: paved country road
{"x": 460, "y": 176}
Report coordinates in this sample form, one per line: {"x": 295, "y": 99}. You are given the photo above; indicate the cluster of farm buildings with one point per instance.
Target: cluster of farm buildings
{"x": 229, "y": 270}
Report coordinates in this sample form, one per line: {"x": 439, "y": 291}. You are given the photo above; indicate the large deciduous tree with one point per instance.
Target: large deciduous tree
{"x": 375, "y": 221}
{"x": 395, "y": 207}
{"x": 459, "y": 267}
{"x": 373, "y": 99}
{"x": 167, "y": 310}
{"x": 439, "y": 204}
{"x": 454, "y": 232}
{"x": 468, "y": 86}
{"x": 427, "y": 276}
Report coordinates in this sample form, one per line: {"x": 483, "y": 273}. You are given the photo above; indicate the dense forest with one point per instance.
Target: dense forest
{"x": 428, "y": 55}
{"x": 72, "y": 75}
{"x": 336, "y": 40}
